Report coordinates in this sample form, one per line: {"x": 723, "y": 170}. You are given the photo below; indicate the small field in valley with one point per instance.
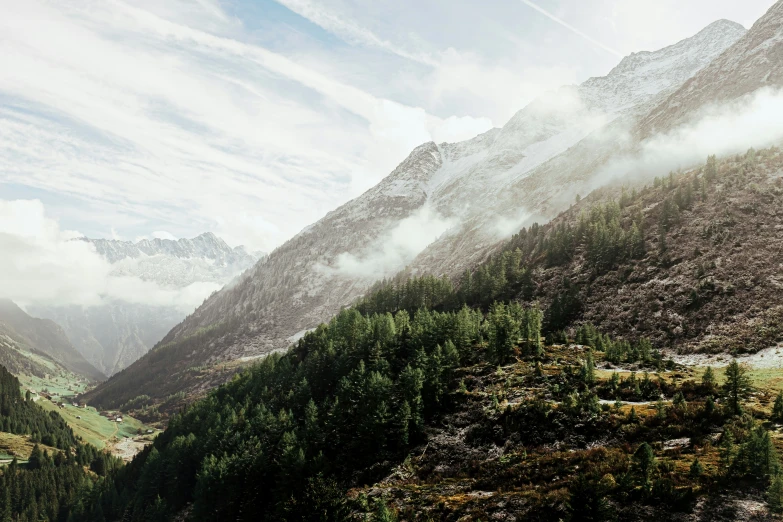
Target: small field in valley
{"x": 56, "y": 392}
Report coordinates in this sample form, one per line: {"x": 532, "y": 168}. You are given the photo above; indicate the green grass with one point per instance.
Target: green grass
{"x": 94, "y": 428}
{"x": 60, "y": 385}
{"x": 19, "y": 446}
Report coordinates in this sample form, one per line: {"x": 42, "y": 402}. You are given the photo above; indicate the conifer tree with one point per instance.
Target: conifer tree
{"x": 644, "y": 464}
{"x": 777, "y": 408}
{"x": 737, "y": 386}
{"x": 696, "y": 469}
{"x": 679, "y": 402}
{"x": 775, "y": 494}
{"x": 711, "y": 169}
{"x": 708, "y": 379}
{"x": 588, "y": 369}
{"x": 727, "y": 451}
{"x": 632, "y": 416}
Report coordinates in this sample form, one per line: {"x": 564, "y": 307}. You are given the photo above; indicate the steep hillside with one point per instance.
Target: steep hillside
{"x": 113, "y": 335}
{"x": 751, "y": 63}
{"x": 462, "y": 199}
{"x": 43, "y": 337}
{"x": 709, "y": 277}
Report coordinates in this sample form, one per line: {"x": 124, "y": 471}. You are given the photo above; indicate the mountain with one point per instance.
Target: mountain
{"x": 331, "y": 262}
{"x": 113, "y": 335}
{"x": 755, "y": 61}
{"x": 536, "y": 389}
{"x": 23, "y": 336}
{"x": 442, "y": 210}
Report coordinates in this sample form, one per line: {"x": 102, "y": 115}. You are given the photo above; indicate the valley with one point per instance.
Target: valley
{"x": 58, "y": 392}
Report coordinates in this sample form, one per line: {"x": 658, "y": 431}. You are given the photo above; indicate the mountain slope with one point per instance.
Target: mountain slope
{"x": 755, "y": 61}
{"x": 44, "y": 337}
{"x": 708, "y": 279}
{"x": 446, "y": 403}
{"x": 113, "y": 335}
{"x": 462, "y": 199}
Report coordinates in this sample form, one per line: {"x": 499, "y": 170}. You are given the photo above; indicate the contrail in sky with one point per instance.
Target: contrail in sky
{"x": 571, "y": 28}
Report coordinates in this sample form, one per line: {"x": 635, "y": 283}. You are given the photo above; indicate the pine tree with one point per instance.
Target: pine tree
{"x": 696, "y": 469}
{"x": 587, "y": 502}
{"x": 708, "y": 379}
{"x": 777, "y": 408}
{"x": 383, "y": 513}
{"x": 660, "y": 409}
{"x": 757, "y": 456}
{"x": 727, "y": 451}
{"x": 403, "y": 420}
{"x": 679, "y": 402}
{"x": 588, "y": 369}
{"x": 711, "y": 169}
{"x": 644, "y": 463}
{"x": 709, "y": 406}
{"x": 737, "y": 386}
{"x": 775, "y": 494}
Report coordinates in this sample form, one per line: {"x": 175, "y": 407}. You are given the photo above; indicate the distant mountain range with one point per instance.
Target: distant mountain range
{"x": 113, "y": 335}
{"x": 447, "y": 207}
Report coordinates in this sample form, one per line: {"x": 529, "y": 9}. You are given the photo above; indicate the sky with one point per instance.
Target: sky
{"x": 252, "y": 119}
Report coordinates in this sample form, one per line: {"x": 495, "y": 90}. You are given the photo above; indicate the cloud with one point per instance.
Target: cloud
{"x": 572, "y": 28}
{"x": 394, "y": 251}
{"x": 350, "y": 31}
{"x": 135, "y": 115}
{"x": 490, "y": 89}
{"x": 722, "y": 129}
{"x": 162, "y": 234}
{"x": 43, "y": 265}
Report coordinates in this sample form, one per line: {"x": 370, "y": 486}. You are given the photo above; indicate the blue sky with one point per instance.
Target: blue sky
{"x": 253, "y": 119}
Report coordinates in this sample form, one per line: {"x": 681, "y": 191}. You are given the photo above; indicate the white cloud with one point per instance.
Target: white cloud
{"x": 162, "y": 234}
{"x": 120, "y": 107}
{"x": 42, "y": 264}
{"x": 643, "y": 25}
{"x": 349, "y": 30}
{"x": 571, "y": 28}
{"x": 724, "y": 129}
{"x": 394, "y": 251}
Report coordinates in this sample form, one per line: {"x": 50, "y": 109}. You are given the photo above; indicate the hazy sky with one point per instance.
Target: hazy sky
{"x": 252, "y": 119}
